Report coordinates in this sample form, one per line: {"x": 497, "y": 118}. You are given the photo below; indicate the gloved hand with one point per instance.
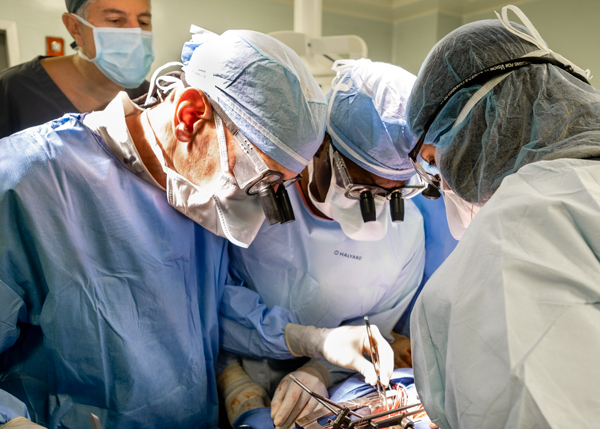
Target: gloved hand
{"x": 291, "y": 402}
{"x": 402, "y": 351}
{"x": 21, "y": 423}
{"x": 239, "y": 392}
{"x": 343, "y": 346}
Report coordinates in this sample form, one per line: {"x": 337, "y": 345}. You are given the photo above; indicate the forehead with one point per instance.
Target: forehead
{"x": 98, "y": 8}
{"x": 364, "y": 177}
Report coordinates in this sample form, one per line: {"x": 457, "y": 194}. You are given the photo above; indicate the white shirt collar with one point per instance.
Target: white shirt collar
{"x": 111, "y": 126}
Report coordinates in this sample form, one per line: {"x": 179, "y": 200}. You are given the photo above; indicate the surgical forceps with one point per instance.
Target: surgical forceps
{"x": 376, "y": 365}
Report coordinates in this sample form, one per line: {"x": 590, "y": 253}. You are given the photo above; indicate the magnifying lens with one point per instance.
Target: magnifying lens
{"x": 255, "y": 178}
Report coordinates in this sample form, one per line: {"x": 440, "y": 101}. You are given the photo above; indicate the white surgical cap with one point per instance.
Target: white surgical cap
{"x": 264, "y": 87}
{"x": 366, "y": 116}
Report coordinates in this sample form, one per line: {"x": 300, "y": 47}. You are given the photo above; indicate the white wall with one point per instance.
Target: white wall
{"x": 412, "y": 40}
{"x": 377, "y": 34}
{"x": 569, "y": 27}
{"x": 446, "y": 23}
{"x": 171, "y": 20}
{"x": 35, "y": 20}
{"x": 260, "y": 15}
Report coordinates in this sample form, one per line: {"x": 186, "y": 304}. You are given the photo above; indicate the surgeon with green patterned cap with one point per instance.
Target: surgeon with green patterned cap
{"x": 115, "y": 50}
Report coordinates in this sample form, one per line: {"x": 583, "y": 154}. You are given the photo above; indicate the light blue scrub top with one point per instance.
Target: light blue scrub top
{"x": 108, "y": 295}
{"x": 309, "y": 272}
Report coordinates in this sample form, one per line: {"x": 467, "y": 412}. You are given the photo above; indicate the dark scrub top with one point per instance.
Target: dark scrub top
{"x": 29, "y": 97}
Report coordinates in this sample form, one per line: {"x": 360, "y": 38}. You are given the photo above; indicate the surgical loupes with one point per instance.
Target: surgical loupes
{"x": 255, "y": 178}
{"x": 253, "y": 175}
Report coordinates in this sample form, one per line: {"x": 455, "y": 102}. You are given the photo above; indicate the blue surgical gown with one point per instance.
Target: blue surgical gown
{"x": 108, "y": 296}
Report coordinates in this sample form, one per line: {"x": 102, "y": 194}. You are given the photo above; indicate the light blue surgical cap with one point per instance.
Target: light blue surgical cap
{"x": 366, "y": 116}
{"x": 264, "y": 87}
{"x": 538, "y": 112}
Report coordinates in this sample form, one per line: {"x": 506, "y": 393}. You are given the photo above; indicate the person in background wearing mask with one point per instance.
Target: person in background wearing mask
{"x": 112, "y": 261}
{"x": 355, "y": 249}
{"x": 115, "y": 52}
{"x": 506, "y": 333}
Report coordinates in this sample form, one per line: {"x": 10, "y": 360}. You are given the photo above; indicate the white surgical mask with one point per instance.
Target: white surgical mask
{"x": 223, "y": 209}
{"x": 346, "y": 211}
{"x": 459, "y": 212}
{"x": 124, "y": 55}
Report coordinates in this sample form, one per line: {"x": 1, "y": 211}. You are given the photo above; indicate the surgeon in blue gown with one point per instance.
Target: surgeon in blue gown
{"x": 109, "y": 294}
{"x": 330, "y": 267}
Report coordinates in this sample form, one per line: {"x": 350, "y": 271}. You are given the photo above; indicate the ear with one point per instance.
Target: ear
{"x": 322, "y": 170}
{"x": 192, "y": 111}
{"x": 323, "y": 150}
{"x": 72, "y": 24}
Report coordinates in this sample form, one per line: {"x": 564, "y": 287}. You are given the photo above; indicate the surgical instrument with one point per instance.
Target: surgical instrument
{"x": 327, "y": 403}
{"x": 323, "y": 419}
{"x": 376, "y": 363}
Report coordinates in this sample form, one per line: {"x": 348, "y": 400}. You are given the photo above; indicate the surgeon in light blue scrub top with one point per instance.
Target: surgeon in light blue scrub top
{"x": 331, "y": 267}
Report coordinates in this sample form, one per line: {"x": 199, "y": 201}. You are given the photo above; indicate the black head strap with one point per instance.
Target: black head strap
{"x": 485, "y": 75}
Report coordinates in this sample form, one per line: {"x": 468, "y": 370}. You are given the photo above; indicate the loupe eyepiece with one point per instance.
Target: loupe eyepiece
{"x": 367, "y": 206}
{"x": 285, "y": 204}
{"x": 431, "y": 193}
{"x": 397, "y": 207}
{"x": 270, "y": 204}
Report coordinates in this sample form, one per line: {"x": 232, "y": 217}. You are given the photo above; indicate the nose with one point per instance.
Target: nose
{"x": 132, "y": 22}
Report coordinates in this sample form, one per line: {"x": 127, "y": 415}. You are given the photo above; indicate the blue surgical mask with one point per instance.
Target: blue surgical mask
{"x": 124, "y": 55}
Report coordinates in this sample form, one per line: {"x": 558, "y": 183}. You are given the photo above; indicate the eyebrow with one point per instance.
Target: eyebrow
{"x": 120, "y": 12}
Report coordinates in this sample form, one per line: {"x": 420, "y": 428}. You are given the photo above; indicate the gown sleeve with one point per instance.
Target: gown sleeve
{"x": 12, "y": 311}
{"x": 248, "y": 327}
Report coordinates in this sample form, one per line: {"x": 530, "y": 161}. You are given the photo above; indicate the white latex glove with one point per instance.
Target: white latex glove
{"x": 343, "y": 346}
{"x": 291, "y": 402}
{"x": 239, "y": 392}
{"x": 21, "y": 423}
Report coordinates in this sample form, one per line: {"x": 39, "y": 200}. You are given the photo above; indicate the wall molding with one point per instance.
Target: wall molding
{"x": 12, "y": 41}
{"x": 396, "y": 11}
